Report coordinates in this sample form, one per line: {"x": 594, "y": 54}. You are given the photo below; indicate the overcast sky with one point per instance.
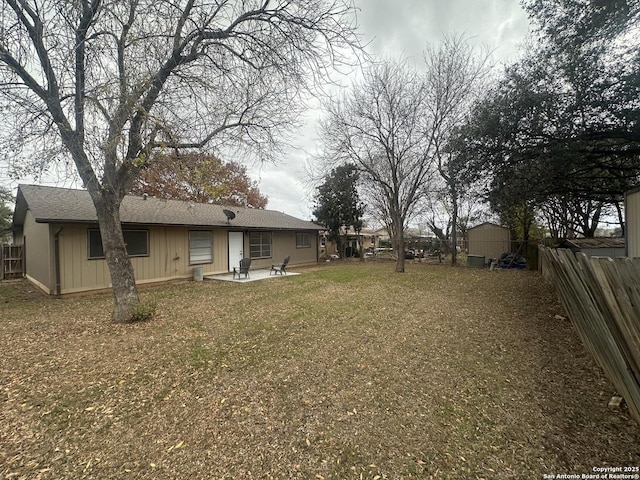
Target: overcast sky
{"x": 401, "y": 28}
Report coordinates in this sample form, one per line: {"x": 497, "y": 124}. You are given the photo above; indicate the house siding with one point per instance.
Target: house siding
{"x": 54, "y": 223}
{"x": 39, "y": 247}
{"x": 489, "y": 240}
{"x": 168, "y": 258}
{"x": 283, "y": 244}
{"x": 632, "y": 222}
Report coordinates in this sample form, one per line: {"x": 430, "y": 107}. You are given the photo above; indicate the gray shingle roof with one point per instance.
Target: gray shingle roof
{"x": 599, "y": 242}
{"x": 64, "y": 205}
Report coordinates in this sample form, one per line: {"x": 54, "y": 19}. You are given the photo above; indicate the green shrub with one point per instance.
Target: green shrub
{"x": 143, "y": 311}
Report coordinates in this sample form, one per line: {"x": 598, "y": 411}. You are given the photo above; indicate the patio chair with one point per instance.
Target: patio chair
{"x": 245, "y": 263}
{"x": 280, "y": 268}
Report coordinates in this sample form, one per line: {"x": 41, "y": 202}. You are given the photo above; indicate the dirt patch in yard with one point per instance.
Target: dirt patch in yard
{"x": 346, "y": 371}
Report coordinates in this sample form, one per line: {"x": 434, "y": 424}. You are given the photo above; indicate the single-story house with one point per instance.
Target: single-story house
{"x": 166, "y": 239}
{"x": 632, "y": 222}
{"x": 488, "y": 240}
{"x": 368, "y": 239}
{"x": 597, "y": 247}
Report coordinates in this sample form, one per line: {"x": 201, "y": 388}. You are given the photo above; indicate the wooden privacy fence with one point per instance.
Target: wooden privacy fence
{"x": 10, "y": 261}
{"x": 602, "y": 298}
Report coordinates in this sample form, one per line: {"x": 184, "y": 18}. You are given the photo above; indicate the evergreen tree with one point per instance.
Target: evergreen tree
{"x": 338, "y": 206}
{"x": 5, "y": 212}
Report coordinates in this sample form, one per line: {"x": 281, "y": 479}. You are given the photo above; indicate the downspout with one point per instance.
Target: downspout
{"x": 56, "y": 260}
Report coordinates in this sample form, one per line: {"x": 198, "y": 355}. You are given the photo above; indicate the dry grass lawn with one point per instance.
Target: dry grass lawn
{"x": 346, "y": 371}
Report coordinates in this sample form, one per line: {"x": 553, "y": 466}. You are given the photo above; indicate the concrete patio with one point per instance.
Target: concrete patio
{"x": 254, "y": 275}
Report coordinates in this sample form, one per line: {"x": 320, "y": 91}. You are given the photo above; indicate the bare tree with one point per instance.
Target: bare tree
{"x": 441, "y": 215}
{"x": 383, "y": 126}
{"x": 108, "y": 83}
{"x": 395, "y": 126}
{"x": 566, "y": 216}
{"x": 456, "y": 76}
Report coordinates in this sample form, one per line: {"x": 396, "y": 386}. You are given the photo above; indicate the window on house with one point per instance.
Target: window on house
{"x": 136, "y": 241}
{"x": 303, "y": 240}
{"x": 200, "y": 247}
{"x": 373, "y": 240}
{"x": 260, "y": 244}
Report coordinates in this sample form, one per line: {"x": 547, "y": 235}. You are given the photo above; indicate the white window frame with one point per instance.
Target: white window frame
{"x": 200, "y": 247}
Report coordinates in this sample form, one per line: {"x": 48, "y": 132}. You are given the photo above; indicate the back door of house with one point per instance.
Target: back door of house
{"x": 236, "y": 249}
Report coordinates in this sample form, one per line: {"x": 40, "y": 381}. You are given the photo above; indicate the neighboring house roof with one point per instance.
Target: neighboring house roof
{"x": 586, "y": 243}
{"x": 65, "y": 205}
{"x": 366, "y": 232}
{"x": 369, "y": 232}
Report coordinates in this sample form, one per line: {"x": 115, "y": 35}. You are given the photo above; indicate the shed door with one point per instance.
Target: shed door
{"x": 236, "y": 249}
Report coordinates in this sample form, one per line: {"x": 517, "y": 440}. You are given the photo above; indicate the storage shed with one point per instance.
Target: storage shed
{"x": 596, "y": 247}
{"x": 489, "y": 240}
{"x": 632, "y": 222}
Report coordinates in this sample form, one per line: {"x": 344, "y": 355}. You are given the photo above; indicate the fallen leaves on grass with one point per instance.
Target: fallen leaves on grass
{"x": 348, "y": 371}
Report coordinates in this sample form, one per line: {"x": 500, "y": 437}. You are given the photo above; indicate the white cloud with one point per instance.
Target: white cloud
{"x": 404, "y": 27}
{"x": 284, "y": 187}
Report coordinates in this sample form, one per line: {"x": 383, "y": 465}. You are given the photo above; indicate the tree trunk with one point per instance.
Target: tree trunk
{"x": 125, "y": 294}
{"x": 399, "y": 247}
{"x": 591, "y": 224}
{"x": 340, "y": 246}
{"x": 620, "y": 217}
{"x": 454, "y": 226}
{"x": 360, "y": 245}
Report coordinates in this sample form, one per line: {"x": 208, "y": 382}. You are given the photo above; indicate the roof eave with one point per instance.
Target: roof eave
{"x": 180, "y": 225}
